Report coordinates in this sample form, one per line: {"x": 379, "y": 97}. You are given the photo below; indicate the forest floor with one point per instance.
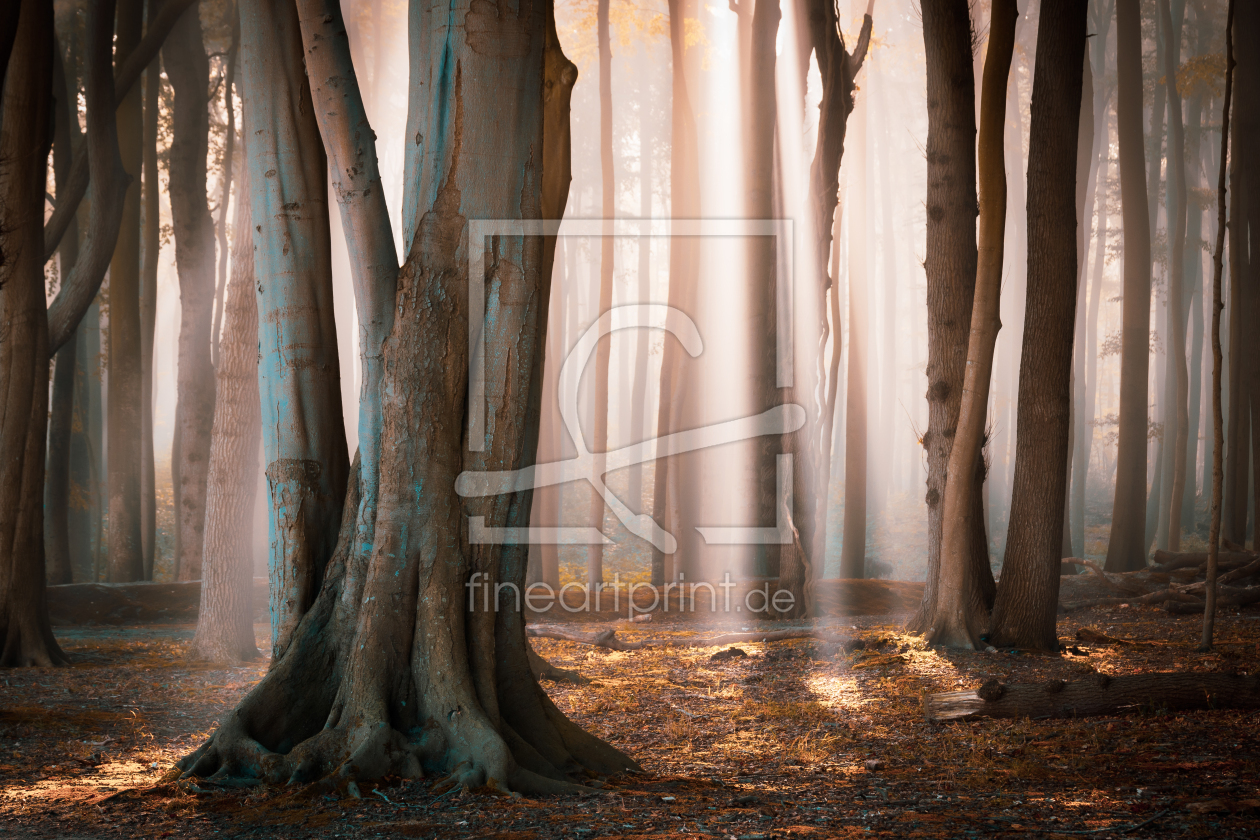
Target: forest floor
{"x": 797, "y": 739}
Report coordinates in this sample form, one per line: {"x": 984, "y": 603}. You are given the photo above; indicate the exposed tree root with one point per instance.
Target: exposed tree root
{"x": 544, "y": 670}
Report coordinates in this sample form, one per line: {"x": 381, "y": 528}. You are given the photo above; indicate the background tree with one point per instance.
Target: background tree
{"x": 1126, "y": 548}
{"x": 126, "y": 551}
{"x": 188, "y": 69}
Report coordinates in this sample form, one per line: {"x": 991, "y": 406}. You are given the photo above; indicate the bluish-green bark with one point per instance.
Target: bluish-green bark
{"x": 304, "y": 438}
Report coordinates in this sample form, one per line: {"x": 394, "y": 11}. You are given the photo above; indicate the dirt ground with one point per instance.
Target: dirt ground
{"x": 798, "y": 739}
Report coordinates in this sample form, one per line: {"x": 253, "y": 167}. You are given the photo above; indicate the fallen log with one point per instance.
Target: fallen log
{"x": 604, "y": 638}
{"x": 1167, "y": 561}
{"x": 1096, "y": 695}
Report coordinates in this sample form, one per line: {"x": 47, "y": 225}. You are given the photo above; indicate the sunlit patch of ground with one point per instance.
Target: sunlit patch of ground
{"x": 802, "y": 738}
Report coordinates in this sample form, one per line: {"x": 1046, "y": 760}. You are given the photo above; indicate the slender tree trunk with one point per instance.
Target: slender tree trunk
{"x": 1086, "y": 185}
{"x": 1218, "y": 415}
{"x": 853, "y": 548}
{"x": 150, "y": 249}
{"x": 684, "y": 191}
{"x": 1027, "y": 598}
{"x": 959, "y": 616}
{"x": 1234, "y": 500}
{"x": 1248, "y": 148}
{"x": 599, "y": 434}
{"x": 1126, "y": 549}
{"x": 1091, "y": 319}
{"x": 187, "y": 67}
{"x": 225, "y": 620}
{"x": 84, "y": 514}
{"x": 25, "y": 100}
{"x": 1171, "y": 514}
{"x": 61, "y": 417}
{"x": 950, "y": 263}
{"x": 643, "y": 341}
{"x": 304, "y": 439}
{"x": 126, "y": 556}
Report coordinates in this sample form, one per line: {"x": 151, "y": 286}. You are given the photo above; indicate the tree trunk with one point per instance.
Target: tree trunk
{"x": 1087, "y": 167}
{"x": 684, "y": 191}
{"x": 151, "y": 248}
{"x": 126, "y": 557}
{"x": 388, "y": 673}
{"x": 950, "y": 264}
{"x": 1177, "y": 216}
{"x": 1091, "y": 319}
{"x": 84, "y": 514}
{"x": 61, "y": 417}
{"x": 1247, "y": 151}
{"x": 959, "y": 616}
{"x": 853, "y": 547}
{"x": 643, "y": 341}
{"x": 225, "y": 620}
{"x": 25, "y": 101}
{"x": 304, "y": 439}
{"x": 1126, "y": 549}
{"x": 1027, "y": 598}
{"x": 187, "y": 67}
{"x": 599, "y": 434}
{"x": 1097, "y": 695}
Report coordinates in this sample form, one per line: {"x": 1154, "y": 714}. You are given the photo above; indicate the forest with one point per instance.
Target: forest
{"x": 538, "y": 419}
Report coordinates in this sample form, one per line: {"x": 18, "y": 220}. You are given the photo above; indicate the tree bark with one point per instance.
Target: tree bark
{"x": 1027, "y": 598}
{"x": 950, "y": 264}
{"x": 229, "y": 148}
{"x": 389, "y": 673}
{"x": 126, "y": 558}
{"x": 188, "y": 68}
{"x": 225, "y": 620}
{"x": 643, "y": 341}
{"x": 25, "y": 101}
{"x": 959, "y": 616}
{"x": 599, "y": 433}
{"x": 1126, "y": 549}
{"x": 304, "y": 438}
{"x": 856, "y": 440}
{"x": 1097, "y": 695}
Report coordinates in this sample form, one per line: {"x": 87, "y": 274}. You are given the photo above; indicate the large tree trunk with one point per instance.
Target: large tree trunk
{"x": 1027, "y": 598}
{"x": 225, "y": 621}
{"x": 959, "y": 617}
{"x": 1126, "y": 549}
{"x": 950, "y": 264}
{"x": 389, "y": 673}
{"x": 150, "y": 248}
{"x": 61, "y": 416}
{"x": 187, "y": 67}
{"x": 304, "y": 439}
{"x": 25, "y": 101}
{"x": 599, "y": 411}
{"x": 126, "y": 557}
{"x": 684, "y": 191}
{"x": 1247, "y": 153}
{"x": 229, "y": 148}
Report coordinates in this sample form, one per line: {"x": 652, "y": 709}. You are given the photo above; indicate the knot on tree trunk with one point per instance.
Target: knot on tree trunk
{"x": 991, "y": 691}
